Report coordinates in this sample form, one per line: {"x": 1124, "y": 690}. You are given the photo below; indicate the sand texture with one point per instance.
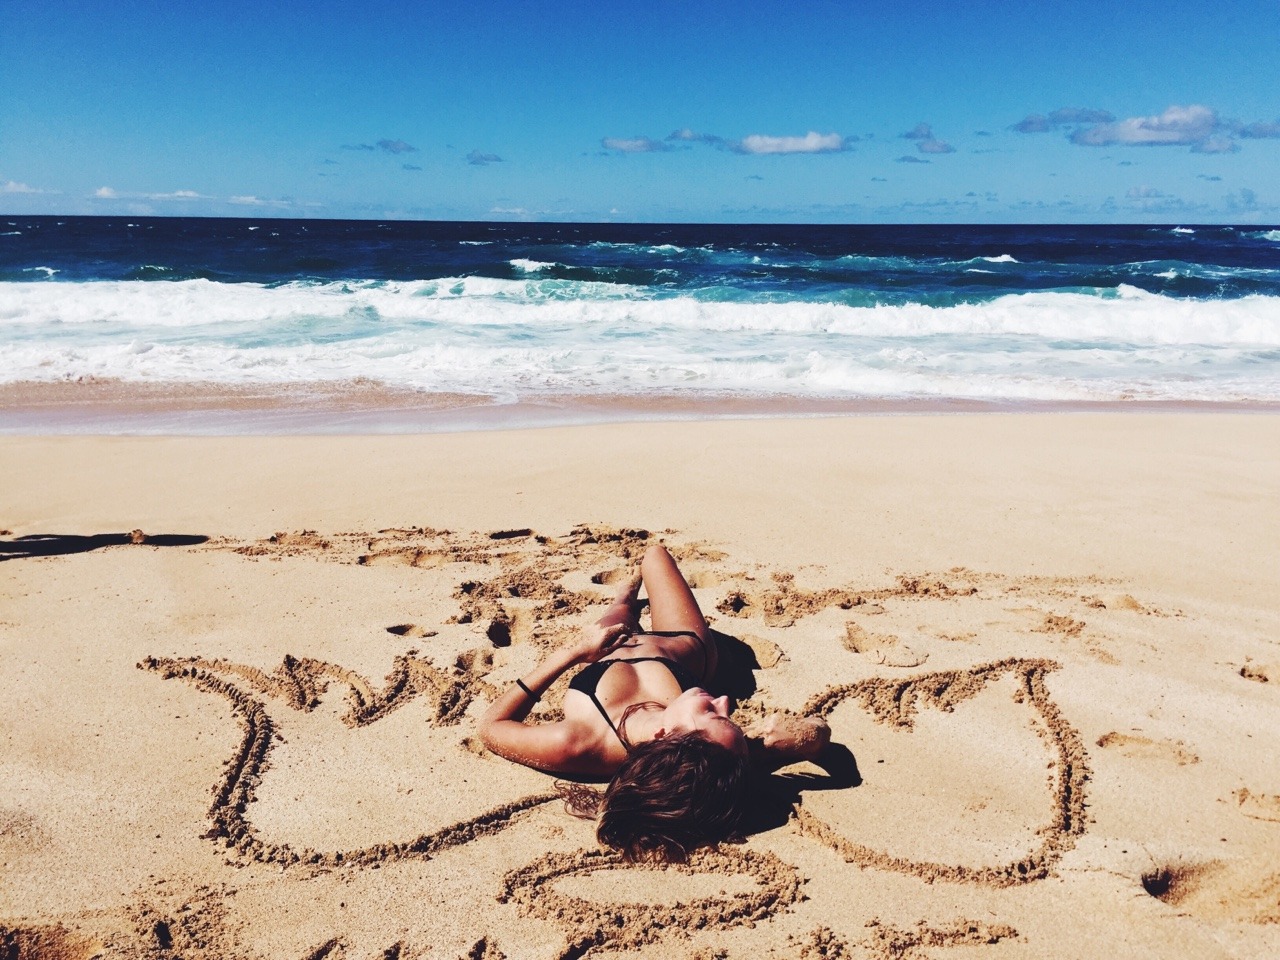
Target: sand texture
{"x": 242, "y": 678}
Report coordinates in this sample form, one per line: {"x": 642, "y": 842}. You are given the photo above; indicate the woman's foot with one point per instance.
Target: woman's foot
{"x": 628, "y": 595}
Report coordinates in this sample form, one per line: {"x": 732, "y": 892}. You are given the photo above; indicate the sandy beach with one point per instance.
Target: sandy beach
{"x": 242, "y": 678}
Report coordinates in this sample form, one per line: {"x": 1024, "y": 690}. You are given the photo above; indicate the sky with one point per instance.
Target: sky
{"x": 971, "y": 111}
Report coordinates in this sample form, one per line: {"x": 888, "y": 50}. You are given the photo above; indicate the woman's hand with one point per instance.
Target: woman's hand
{"x": 794, "y": 738}
{"x": 598, "y": 642}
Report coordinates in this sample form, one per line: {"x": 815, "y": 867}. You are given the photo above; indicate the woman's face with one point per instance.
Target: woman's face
{"x": 695, "y": 710}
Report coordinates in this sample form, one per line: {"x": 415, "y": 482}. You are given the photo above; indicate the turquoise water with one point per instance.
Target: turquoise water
{"x": 520, "y": 311}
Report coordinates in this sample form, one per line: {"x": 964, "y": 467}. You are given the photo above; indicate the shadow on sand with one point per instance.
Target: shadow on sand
{"x": 59, "y": 544}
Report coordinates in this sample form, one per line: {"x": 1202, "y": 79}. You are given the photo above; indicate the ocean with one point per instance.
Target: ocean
{"x": 515, "y": 312}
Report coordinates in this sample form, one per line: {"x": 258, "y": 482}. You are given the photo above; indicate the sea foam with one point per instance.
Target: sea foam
{"x": 487, "y": 335}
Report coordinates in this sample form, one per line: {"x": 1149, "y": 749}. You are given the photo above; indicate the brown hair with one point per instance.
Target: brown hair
{"x": 671, "y": 796}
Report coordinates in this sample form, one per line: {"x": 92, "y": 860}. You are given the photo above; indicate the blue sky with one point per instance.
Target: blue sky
{"x": 915, "y": 111}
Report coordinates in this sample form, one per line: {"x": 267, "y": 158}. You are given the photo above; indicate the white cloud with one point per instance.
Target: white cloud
{"x": 811, "y": 142}
{"x": 105, "y": 193}
{"x": 1215, "y": 144}
{"x": 685, "y": 135}
{"x": 634, "y": 145}
{"x": 252, "y": 201}
{"x": 1144, "y": 192}
{"x": 13, "y": 186}
{"x": 1177, "y": 126}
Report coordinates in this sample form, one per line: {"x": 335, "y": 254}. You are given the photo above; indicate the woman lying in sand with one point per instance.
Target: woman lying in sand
{"x": 637, "y": 714}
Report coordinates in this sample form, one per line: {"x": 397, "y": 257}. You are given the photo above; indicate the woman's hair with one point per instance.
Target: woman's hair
{"x": 671, "y": 796}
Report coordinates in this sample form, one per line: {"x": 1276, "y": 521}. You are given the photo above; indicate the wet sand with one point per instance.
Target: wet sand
{"x": 244, "y": 674}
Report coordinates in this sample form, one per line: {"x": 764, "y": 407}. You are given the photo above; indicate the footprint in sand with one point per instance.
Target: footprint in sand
{"x": 768, "y": 654}
{"x": 883, "y": 648}
{"x": 411, "y": 630}
{"x": 46, "y": 943}
{"x": 1140, "y": 747}
{"x": 1258, "y": 672}
{"x": 1258, "y": 806}
{"x": 1219, "y": 891}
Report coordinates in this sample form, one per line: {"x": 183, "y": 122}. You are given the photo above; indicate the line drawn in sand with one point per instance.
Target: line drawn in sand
{"x": 299, "y": 683}
{"x": 630, "y": 925}
{"x": 895, "y": 701}
{"x": 884, "y": 941}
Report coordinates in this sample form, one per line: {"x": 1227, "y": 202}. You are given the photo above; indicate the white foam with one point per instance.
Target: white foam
{"x": 537, "y": 335}
{"x": 1003, "y": 258}
{"x": 1129, "y": 315}
{"x": 530, "y": 266}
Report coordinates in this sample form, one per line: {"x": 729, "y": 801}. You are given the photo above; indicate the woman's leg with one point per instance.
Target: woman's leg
{"x": 672, "y": 607}
{"x": 624, "y": 609}
{"x": 671, "y": 602}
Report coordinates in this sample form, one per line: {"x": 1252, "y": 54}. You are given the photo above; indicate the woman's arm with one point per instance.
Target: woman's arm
{"x": 554, "y": 747}
{"x": 786, "y": 739}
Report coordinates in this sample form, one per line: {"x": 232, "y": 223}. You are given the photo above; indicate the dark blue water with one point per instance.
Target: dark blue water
{"x": 856, "y": 265}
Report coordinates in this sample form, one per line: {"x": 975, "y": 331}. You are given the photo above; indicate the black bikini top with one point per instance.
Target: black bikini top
{"x": 587, "y": 680}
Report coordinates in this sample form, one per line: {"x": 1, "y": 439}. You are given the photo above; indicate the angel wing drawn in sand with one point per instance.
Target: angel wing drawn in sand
{"x": 299, "y": 685}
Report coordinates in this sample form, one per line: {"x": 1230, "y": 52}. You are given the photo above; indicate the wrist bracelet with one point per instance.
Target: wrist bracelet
{"x": 528, "y": 693}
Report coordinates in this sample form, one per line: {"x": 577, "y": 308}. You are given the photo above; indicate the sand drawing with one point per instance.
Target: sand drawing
{"x": 884, "y": 941}
{"x": 298, "y": 683}
{"x": 895, "y": 702}
{"x": 523, "y": 594}
{"x": 518, "y": 588}
{"x": 620, "y": 926}
{"x": 784, "y": 603}
{"x": 883, "y": 648}
{"x": 1258, "y": 806}
{"x": 1137, "y": 746}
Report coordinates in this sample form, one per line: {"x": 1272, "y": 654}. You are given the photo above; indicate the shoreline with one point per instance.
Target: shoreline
{"x": 107, "y": 407}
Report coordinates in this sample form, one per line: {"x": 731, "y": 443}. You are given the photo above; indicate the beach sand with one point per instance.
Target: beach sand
{"x": 242, "y": 677}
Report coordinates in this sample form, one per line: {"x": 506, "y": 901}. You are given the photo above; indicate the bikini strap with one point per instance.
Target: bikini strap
{"x": 702, "y": 645}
